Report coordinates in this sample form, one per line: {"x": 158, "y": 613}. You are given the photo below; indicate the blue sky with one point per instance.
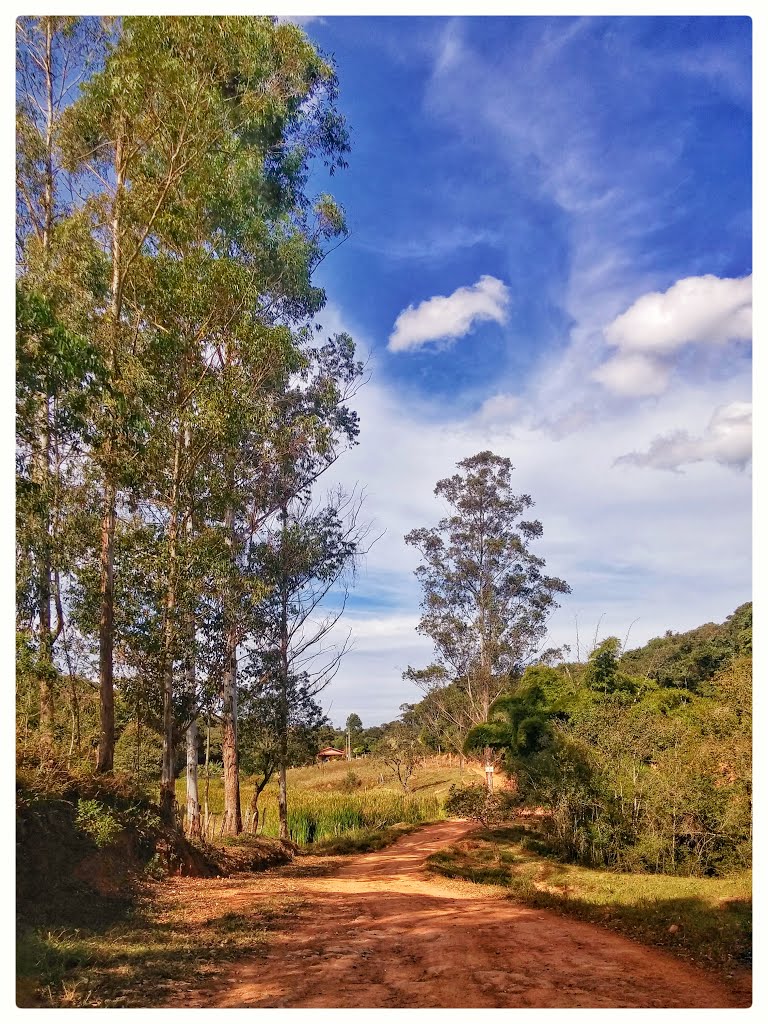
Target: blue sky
{"x": 550, "y": 255}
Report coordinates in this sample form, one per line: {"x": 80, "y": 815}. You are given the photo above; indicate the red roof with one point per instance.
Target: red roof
{"x": 330, "y": 750}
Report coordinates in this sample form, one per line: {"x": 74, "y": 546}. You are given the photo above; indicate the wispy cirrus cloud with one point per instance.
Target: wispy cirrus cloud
{"x": 447, "y": 317}
{"x": 727, "y": 440}
{"x": 613, "y": 172}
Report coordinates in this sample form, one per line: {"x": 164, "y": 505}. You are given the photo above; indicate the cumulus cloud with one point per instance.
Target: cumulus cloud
{"x": 705, "y": 310}
{"x": 727, "y": 440}
{"x": 450, "y": 316}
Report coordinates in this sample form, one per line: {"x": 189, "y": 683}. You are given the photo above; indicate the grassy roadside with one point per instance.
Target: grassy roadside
{"x": 707, "y": 920}
{"x": 170, "y": 937}
{"x": 135, "y": 962}
{"x": 364, "y": 840}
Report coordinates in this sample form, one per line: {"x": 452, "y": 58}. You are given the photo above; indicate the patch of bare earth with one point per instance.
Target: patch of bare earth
{"x": 377, "y": 931}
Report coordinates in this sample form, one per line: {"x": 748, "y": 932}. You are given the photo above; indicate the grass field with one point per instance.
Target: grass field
{"x": 357, "y": 799}
{"x": 705, "y": 919}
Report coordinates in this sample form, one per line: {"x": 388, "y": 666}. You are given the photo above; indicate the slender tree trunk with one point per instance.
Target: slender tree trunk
{"x": 74, "y": 746}
{"x": 43, "y": 474}
{"x": 282, "y": 790}
{"x": 106, "y": 755}
{"x": 168, "y": 776}
{"x": 47, "y": 670}
{"x": 282, "y": 801}
{"x": 48, "y": 190}
{"x": 253, "y": 807}
{"x": 168, "y": 779}
{"x": 257, "y": 791}
{"x": 207, "y": 770}
{"x": 193, "y": 797}
{"x": 233, "y": 821}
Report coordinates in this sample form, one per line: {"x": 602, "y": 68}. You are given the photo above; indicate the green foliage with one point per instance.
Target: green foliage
{"x": 167, "y": 381}
{"x": 104, "y": 823}
{"x": 139, "y": 751}
{"x": 687, "y": 660}
{"x": 98, "y": 822}
{"x": 351, "y": 782}
{"x": 477, "y": 803}
{"x": 634, "y": 775}
{"x": 314, "y": 818}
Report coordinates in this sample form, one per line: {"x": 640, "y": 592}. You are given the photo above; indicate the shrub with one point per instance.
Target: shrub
{"x": 351, "y": 782}
{"x": 477, "y": 803}
{"x": 98, "y": 822}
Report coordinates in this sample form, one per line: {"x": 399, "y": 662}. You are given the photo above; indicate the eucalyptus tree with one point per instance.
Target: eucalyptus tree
{"x": 259, "y": 728}
{"x": 194, "y": 143}
{"x": 304, "y": 558}
{"x": 60, "y": 276}
{"x": 486, "y": 597}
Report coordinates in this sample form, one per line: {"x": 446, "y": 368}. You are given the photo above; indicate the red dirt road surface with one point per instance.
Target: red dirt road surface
{"x": 380, "y": 932}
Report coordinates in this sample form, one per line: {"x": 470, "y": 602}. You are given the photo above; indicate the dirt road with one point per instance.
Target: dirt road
{"x": 379, "y": 932}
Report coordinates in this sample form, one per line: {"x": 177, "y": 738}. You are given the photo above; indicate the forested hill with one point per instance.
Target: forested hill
{"x": 689, "y": 659}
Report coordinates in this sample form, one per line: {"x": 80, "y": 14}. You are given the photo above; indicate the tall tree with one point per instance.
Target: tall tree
{"x": 58, "y": 282}
{"x": 195, "y": 140}
{"x": 486, "y": 597}
{"x": 304, "y": 558}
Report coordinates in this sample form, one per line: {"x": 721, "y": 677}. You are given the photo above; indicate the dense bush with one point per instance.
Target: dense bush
{"x": 635, "y": 775}
{"x": 139, "y": 751}
{"x": 476, "y": 802}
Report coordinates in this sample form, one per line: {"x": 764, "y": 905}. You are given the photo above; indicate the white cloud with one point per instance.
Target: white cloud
{"x": 633, "y": 375}
{"x": 671, "y": 550}
{"x": 450, "y": 316}
{"x": 707, "y": 311}
{"x": 499, "y": 408}
{"x": 727, "y": 440}
{"x": 704, "y": 310}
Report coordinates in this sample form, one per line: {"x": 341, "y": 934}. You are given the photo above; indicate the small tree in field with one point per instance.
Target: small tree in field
{"x": 401, "y": 751}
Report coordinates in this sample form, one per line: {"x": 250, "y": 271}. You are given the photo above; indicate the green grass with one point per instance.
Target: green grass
{"x": 704, "y": 919}
{"x": 321, "y": 805}
{"x": 363, "y": 840}
{"x": 136, "y": 962}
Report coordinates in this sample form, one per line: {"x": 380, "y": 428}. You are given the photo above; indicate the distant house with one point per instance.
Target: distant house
{"x": 329, "y": 754}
